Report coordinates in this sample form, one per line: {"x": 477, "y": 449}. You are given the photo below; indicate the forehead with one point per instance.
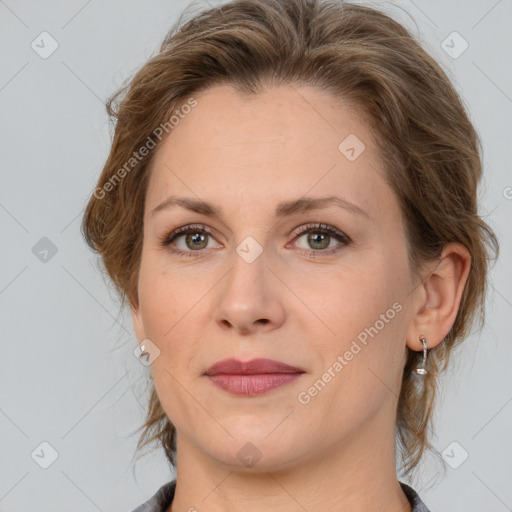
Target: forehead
{"x": 282, "y": 143}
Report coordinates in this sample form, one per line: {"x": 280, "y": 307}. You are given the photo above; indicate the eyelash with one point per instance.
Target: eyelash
{"x": 167, "y": 240}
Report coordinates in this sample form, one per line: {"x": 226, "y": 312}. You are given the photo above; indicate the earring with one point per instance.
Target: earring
{"x": 143, "y": 352}
{"x": 422, "y": 368}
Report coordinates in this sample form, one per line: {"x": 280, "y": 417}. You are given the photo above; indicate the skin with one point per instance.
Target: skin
{"x": 246, "y": 154}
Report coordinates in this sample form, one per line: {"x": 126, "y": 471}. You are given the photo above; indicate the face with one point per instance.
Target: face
{"x": 320, "y": 285}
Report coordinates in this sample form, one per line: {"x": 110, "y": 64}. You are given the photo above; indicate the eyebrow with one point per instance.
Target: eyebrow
{"x": 283, "y": 209}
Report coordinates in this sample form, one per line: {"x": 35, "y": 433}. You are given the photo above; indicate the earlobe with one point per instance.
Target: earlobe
{"x": 441, "y": 295}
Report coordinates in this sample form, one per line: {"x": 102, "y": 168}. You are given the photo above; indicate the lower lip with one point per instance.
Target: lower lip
{"x": 251, "y": 385}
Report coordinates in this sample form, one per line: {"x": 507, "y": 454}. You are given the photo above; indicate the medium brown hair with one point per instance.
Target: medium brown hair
{"x": 426, "y": 140}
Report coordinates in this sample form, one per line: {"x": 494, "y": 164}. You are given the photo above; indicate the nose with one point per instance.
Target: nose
{"x": 249, "y": 299}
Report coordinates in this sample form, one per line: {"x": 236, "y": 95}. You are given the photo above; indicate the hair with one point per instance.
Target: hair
{"x": 425, "y": 138}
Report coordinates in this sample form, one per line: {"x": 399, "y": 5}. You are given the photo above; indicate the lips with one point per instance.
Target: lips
{"x": 253, "y": 367}
{"x": 251, "y": 378}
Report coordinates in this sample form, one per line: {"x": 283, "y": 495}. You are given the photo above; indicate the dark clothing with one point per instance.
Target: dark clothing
{"x": 162, "y": 499}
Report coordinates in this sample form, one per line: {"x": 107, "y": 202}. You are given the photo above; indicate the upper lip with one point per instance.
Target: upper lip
{"x": 252, "y": 367}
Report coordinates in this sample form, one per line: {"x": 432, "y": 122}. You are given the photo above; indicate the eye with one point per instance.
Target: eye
{"x": 189, "y": 240}
{"x": 321, "y": 238}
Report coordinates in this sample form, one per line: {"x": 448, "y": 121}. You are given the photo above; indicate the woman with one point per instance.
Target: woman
{"x": 289, "y": 209}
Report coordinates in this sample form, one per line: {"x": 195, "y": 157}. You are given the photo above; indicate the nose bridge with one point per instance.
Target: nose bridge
{"x": 248, "y": 268}
{"x": 249, "y": 297}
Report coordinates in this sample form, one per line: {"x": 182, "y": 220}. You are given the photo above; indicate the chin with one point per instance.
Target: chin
{"x": 254, "y": 458}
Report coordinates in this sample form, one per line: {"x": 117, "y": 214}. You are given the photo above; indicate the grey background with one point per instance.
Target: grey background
{"x": 68, "y": 375}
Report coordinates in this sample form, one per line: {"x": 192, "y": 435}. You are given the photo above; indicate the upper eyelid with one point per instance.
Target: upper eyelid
{"x": 320, "y": 226}
{"x": 302, "y": 227}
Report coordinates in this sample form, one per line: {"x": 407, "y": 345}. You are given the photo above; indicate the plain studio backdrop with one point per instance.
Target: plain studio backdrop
{"x": 72, "y": 392}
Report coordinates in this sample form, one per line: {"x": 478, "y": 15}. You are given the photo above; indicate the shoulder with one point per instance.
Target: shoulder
{"x": 161, "y": 500}
{"x": 414, "y": 499}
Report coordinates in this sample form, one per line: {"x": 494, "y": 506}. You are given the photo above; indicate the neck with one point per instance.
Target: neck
{"x": 357, "y": 474}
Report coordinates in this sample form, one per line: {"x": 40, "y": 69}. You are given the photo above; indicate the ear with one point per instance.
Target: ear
{"x": 138, "y": 325}
{"x": 439, "y": 297}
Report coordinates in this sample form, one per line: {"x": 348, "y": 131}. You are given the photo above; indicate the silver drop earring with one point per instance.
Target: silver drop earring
{"x": 422, "y": 368}
{"x": 143, "y": 352}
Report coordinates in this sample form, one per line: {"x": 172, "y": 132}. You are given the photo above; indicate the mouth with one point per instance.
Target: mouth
{"x": 253, "y": 377}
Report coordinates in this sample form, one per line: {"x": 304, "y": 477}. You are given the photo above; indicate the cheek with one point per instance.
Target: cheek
{"x": 174, "y": 313}
{"x": 164, "y": 297}
{"x": 366, "y": 314}
{"x": 362, "y": 363}
{"x": 355, "y": 297}
{"x": 167, "y": 306}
